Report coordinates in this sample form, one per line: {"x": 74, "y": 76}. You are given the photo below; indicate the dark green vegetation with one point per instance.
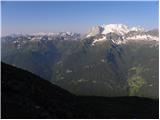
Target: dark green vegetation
{"x": 104, "y": 69}
{"x": 25, "y": 95}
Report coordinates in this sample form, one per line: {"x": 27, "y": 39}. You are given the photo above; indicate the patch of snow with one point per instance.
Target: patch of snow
{"x": 88, "y": 35}
{"x": 16, "y": 41}
{"x": 99, "y": 39}
{"x": 118, "y": 42}
{"x": 36, "y": 38}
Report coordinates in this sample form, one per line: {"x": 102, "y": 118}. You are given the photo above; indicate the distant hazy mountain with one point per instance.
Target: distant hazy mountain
{"x": 110, "y": 60}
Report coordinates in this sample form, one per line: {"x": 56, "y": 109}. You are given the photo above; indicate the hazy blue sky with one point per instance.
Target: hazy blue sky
{"x": 29, "y": 17}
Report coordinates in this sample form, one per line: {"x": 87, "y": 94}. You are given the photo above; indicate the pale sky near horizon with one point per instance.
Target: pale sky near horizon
{"x": 31, "y": 17}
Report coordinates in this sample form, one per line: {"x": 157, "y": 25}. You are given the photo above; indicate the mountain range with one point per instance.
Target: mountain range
{"x": 110, "y": 60}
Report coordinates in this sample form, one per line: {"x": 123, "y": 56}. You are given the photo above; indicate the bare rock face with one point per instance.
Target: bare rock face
{"x": 95, "y": 31}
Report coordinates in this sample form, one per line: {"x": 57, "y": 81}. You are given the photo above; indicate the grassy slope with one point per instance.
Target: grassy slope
{"x": 25, "y": 95}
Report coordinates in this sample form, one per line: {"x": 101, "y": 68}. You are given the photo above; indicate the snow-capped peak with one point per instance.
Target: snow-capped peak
{"x": 43, "y": 33}
{"x": 120, "y": 34}
{"x": 119, "y": 29}
{"x": 54, "y": 34}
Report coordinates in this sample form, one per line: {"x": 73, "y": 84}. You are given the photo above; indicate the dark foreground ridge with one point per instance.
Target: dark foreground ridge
{"x": 25, "y": 95}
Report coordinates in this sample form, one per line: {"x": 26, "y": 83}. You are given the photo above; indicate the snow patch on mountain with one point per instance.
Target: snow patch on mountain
{"x": 104, "y": 38}
{"x": 99, "y": 39}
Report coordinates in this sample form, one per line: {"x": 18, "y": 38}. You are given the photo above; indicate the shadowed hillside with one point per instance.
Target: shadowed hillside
{"x": 25, "y": 95}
